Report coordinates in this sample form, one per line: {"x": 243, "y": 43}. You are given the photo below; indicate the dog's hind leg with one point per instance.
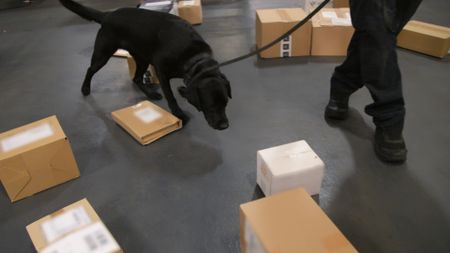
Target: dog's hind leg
{"x": 141, "y": 67}
{"x": 103, "y": 50}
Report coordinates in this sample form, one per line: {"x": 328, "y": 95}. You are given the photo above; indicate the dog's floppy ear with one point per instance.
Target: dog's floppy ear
{"x": 191, "y": 95}
{"x": 194, "y": 99}
{"x": 227, "y": 85}
{"x": 229, "y": 89}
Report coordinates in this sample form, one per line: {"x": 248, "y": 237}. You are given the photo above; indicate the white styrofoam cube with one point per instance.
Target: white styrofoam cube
{"x": 289, "y": 166}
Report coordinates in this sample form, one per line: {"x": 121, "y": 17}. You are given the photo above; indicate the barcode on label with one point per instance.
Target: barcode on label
{"x": 286, "y": 47}
{"x": 94, "y": 238}
{"x": 65, "y": 223}
{"x": 147, "y": 115}
{"x": 26, "y": 137}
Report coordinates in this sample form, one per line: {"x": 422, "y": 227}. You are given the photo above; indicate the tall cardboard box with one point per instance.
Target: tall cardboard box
{"x": 191, "y": 11}
{"x": 75, "y": 229}
{"x": 289, "y": 222}
{"x": 332, "y": 32}
{"x": 341, "y": 3}
{"x": 272, "y": 23}
{"x": 35, "y": 157}
{"x": 146, "y": 122}
{"x": 425, "y": 38}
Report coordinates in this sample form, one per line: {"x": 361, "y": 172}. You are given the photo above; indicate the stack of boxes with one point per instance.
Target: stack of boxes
{"x": 330, "y": 31}
{"x": 328, "y": 34}
{"x": 288, "y": 220}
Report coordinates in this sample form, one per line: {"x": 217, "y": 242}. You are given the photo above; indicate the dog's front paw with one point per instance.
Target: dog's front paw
{"x": 85, "y": 90}
{"x": 154, "y": 95}
{"x": 182, "y": 116}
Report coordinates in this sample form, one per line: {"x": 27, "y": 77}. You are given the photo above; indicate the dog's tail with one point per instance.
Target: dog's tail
{"x": 83, "y": 11}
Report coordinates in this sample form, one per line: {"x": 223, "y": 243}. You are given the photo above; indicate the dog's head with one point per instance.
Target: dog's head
{"x": 210, "y": 95}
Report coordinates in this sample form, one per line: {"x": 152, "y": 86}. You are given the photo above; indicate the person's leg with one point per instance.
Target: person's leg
{"x": 346, "y": 79}
{"x": 381, "y": 75}
{"x": 405, "y": 11}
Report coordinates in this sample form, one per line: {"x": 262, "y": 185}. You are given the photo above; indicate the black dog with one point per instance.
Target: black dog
{"x": 171, "y": 45}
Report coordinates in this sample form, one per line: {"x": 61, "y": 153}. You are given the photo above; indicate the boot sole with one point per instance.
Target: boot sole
{"x": 336, "y": 115}
{"x": 389, "y": 156}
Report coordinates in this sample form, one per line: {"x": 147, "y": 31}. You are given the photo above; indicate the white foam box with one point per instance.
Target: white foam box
{"x": 289, "y": 166}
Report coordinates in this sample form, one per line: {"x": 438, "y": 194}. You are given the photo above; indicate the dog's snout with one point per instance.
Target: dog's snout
{"x": 223, "y": 125}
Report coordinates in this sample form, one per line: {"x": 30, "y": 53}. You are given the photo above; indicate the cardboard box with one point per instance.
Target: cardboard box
{"x": 168, "y": 6}
{"x": 311, "y": 5}
{"x": 132, "y": 70}
{"x": 332, "y": 32}
{"x": 341, "y": 3}
{"x": 191, "y": 11}
{"x": 425, "y": 38}
{"x": 75, "y": 228}
{"x": 288, "y": 167}
{"x": 146, "y": 122}
{"x": 290, "y": 222}
{"x": 35, "y": 157}
{"x": 272, "y": 23}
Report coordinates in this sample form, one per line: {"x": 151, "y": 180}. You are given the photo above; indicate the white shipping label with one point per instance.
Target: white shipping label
{"x": 253, "y": 243}
{"x": 329, "y": 14}
{"x": 92, "y": 239}
{"x": 341, "y": 21}
{"x": 27, "y": 137}
{"x": 188, "y": 2}
{"x": 65, "y": 223}
{"x": 147, "y": 115}
{"x": 158, "y": 3}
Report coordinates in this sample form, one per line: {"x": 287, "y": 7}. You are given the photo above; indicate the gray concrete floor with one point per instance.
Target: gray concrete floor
{"x": 182, "y": 193}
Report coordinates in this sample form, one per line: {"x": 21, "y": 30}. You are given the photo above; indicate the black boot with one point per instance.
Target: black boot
{"x": 337, "y": 108}
{"x": 389, "y": 145}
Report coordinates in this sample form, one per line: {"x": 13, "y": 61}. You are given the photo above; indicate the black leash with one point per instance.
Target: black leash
{"x": 293, "y": 29}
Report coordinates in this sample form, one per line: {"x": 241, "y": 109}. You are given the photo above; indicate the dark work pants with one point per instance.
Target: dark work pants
{"x": 372, "y": 58}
